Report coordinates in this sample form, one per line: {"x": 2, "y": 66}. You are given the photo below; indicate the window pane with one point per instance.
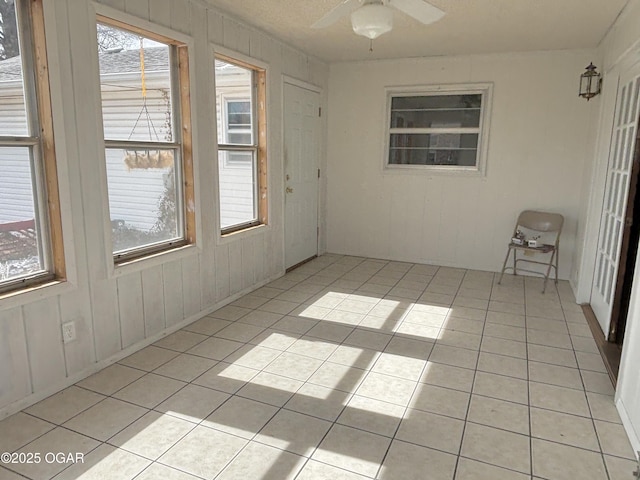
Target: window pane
{"x": 435, "y": 119}
{"x": 437, "y": 102}
{"x": 234, "y": 93}
{"x": 237, "y": 187}
{"x": 432, "y": 156}
{"x": 20, "y": 254}
{"x": 13, "y": 114}
{"x": 135, "y": 82}
{"x": 142, "y": 197}
{"x": 436, "y": 111}
{"x": 239, "y": 113}
{"x": 442, "y": 140}
{"x": 239, "y": 138}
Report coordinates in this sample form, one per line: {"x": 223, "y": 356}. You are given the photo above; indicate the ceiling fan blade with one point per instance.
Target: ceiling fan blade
{"x": 419, "y": 9}
{"x": 341, "y": 10}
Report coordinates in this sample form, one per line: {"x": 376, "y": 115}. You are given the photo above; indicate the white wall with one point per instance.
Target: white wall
{"x": 119, "y": 311}
{"x": 538, "y": 143}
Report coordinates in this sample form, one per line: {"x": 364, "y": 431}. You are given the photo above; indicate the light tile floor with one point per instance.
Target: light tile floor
{"x": 348, "y": 368}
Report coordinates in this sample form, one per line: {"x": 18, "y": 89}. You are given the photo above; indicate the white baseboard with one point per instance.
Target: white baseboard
{"x": 634, "y": 438}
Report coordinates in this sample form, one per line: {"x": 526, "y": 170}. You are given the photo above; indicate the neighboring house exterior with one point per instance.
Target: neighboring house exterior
{"x": 15, "y": 177}
{"x": 124, "y": 118}
{"x": 233, "y": 104}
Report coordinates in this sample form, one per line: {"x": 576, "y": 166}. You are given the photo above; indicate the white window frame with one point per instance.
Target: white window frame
{"x": 181, "y": 144}
{"x": 484, "y": 89}
{"x": 258, "y": 146}
{"x": 40, "y": 142}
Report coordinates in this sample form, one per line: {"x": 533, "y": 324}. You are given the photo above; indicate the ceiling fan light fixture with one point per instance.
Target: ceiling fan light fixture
{"x": 372, "y": 20}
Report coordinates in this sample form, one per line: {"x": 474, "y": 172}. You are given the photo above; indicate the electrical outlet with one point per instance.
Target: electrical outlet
{"x": 68, "y": 332}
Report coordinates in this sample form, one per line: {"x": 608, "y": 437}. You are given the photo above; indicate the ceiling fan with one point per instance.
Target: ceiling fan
{"x": 372, "y": 18}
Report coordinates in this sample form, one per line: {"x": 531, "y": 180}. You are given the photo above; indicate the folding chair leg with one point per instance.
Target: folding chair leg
{"x": 546, "y": 277}
{"x": 504, "y": 265}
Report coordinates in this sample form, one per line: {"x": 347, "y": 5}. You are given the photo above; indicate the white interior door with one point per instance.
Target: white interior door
{"x": 301, "y": 160}
{"x": 615, "y": 198}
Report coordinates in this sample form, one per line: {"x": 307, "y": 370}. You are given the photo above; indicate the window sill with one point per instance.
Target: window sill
{"x": 434, "y": 170}
{"x": 225, "y": 238}
{"x": 32, "y": 293}
{"x": 152, "y": 260}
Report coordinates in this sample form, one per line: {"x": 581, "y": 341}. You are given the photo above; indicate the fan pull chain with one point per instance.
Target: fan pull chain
{"x": 371, "y": 45}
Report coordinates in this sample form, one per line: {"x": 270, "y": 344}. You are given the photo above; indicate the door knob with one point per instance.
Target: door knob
{"x": 289, "y": 190}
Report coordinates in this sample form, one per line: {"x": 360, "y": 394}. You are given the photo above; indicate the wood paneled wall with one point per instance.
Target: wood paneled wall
{"x": 118, "y": 311}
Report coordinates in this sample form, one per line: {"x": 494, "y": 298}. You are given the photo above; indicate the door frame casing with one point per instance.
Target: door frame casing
{"x": 296, "y": 82}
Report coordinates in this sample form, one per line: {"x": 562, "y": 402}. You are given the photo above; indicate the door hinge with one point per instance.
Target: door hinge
{"x": 318, "y": 173}
{"x": 318, "y": 232}
{"x": 319, "y": 111}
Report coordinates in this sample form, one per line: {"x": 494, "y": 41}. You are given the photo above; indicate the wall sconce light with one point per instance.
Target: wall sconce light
{"x": 590, "y": 82}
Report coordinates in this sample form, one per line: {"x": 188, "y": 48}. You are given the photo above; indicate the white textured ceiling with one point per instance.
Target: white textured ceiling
{"x": 469, "y": 26}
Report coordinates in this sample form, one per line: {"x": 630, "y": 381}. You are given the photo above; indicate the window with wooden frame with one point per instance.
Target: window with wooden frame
{"x": 242, "y": 160}
{"x": 146, "y": 116}
{"x": 438, "y": 128}
{"x": 31, "y": 249}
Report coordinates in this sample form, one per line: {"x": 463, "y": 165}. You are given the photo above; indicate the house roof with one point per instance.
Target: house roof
{"x": 128, "y": 61}
{"x": 10, "y": 69}
{"x": 156, "y": 59}
{"x": 123, "y": 61}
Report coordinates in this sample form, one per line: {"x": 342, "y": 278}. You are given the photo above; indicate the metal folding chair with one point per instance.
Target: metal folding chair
{"x": 539, "y": 223}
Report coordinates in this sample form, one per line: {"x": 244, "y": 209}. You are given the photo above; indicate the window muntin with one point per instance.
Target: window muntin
{"x": 241, "y": 152}
{"x": 30, "y": 233}
{"x": 142, "y": 108}
{"x": 440, "y": 130}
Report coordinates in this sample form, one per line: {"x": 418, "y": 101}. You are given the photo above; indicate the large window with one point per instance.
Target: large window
{"x": 144, "y": 81}
{"x": 240, "y": 106}
{"x": 442, "y": 129}
{"x": 30, "y": 230}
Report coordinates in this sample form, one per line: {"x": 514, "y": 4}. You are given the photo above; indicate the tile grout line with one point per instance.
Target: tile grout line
{"x": 252, "y": 439}
{"x": 415, "y": 388}
{"x": 475, "y": 372}
{"x": 526, "y": 336}
{"x": 586, "y": 397}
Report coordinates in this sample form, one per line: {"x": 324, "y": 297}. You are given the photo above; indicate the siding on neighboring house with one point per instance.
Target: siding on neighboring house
{"x": 124, "y": 118}
{"x": 236, "y": 175}
{"x": 15, "y": 173}
{"x": 237, "y": 189}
